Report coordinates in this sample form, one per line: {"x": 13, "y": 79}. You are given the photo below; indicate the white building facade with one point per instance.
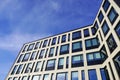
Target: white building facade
{"x": 87, "y": 53}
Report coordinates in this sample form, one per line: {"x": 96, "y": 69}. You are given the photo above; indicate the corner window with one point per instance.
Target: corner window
{"x": 61, "y": 63}
{"x": 106, "y": 5}
{"x": 76, "y": 35}
{"x": 112, "y": 15}
{"x": 77, "y": 46}
{"x": 36, "y": 77}
{"x": 38, "y": 66}
{"x": 54, "y": 41}
{"x": 45, "y": 43}
{"x": 86, "y": 33}
{"x": 92, "y": 43}
{"x": 46, "y": 77}
{"x": 50, "y": 65}
{"x": 26, "y": 57}
{"x": 62, "y": 76}
{"x": 117, "y": 30}
{"x": 77, "y": 61}
{"x": 111, "y": 43}
{"x": 63, "y": 38}
{"x": 95, "y": 28}
{"x": 100, "y": 16}
{"x": 105, "y": 28}
{"x": 51, "y": 53}
{"x": 92, "y": 74}
{"x": 95, "y": 58}
{"x": 74, "y": 76}
{"x": 30, "y": 47}
{"x": 41, "y": 53}
{"x": 64, "y": 49}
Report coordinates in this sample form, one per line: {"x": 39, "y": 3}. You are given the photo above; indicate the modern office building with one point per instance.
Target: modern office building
{"x": 87, "y": 53}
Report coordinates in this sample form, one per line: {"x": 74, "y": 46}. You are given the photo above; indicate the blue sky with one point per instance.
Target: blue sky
{"x": 23, "y": 21}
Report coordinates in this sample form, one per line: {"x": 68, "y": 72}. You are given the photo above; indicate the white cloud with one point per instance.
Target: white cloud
{"x": 15, "y": 40}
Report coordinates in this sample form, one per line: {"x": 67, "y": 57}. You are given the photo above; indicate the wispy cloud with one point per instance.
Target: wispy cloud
{"x": 14, "y": 41}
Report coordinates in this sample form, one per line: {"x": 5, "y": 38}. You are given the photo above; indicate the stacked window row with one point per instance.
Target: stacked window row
{"x": 64, "y": 75}
{"x": 76, "y": 61}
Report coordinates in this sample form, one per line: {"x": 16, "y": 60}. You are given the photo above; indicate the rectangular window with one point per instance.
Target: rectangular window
{"x": 31, "y": 46}
{"x": 36, "y": 77}
{"x": 112, "y": 15}
{"x": 104, "y": 74}
{"x": 61, "y": 63}
{"x": 54, "y": 41}
{"x": 95, "y": 28}
{"x": 45, "y": 43}
{"x": 25, "y": 78}
{"x": 77, "y": 61}
{"x": 100, "y": 16}
{"x": 46, "y": 52}
{"x": 20, "y": 58}
{"x": 117, "y": 2}
{"x": 116, "y": 60}
{"x": 76, "y": 35}
{"x": 86, "y": 33}
{"x": 14, "y": 69}
{"x": 37, "y": 45}
{"x": 83, "y": 74}
{"x": 58, "y": 40}
{"x": 50, "y": 65}
{"x": 38, "y": 66}
{"x": 64, "y": 49}
{"x": 42, "y": 65}
{"x": 10, "y": 78}
{"x": 111, "y": 43}
{"x": 62, "y": 76}
{"x": 95, "y": 58}
{"x": 46, "y": 77}
{"x": 92, "y": 74}
{"x": 92, "y": 43}
{"x": 25, "y": 48}
{"x": 67, "y": 62}
{"x": 68, "y": 37}
{"x": 26, "y": 57}
{"x": 117, "y": 30}
{"x": 49, "y": 42}
{"x": 77, "y": 46}
{"x": 41, "y": 53}
{"x": 56, "y": 51}
{"x": 52, "y": 76}
{"x": 63, "y": 38}
{"x": 74, "y": 75}
{"x": 106, "y": 5}
{"x": 33, "y": 55}
{"x": 51, "y": 53}
{"x": 41, "y": 44}
{"x": 19, "y": 69}
{"x": 28, "y": 68}
{"x": 105, "y": 28}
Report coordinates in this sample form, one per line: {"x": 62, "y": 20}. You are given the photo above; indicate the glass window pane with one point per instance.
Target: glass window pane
{"x": 103, "y": 74}
{"x": 64, "y": 49}
{"x": 62, "y": 76}
{"x": 117, "y": 29}
{"x": 61, "y": 61}
{"x": 100, "y": 17}
{"x": 83, "y": 75}
{"x": 88, "y": 43}
{"x": 92, "y": 74}
{"x": 86, "y": 32}
{"x": 38, "y": 65}
{"x": 106, "y": 5}
{"x": 36, "y": 77}
{"x": 112, "y": 15}
{"x": 76, "y": 35}
{"x": 46, "y": 77}
{"x": 90, "y": 56}
{"x": 63, "y": 38}
{"x": 105, "y": 28}
{"x": 76, "y": 46}
{"x": 74, "y": 75}
{"x": 97, "y": 55}
{"x": 54, "y": 41}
